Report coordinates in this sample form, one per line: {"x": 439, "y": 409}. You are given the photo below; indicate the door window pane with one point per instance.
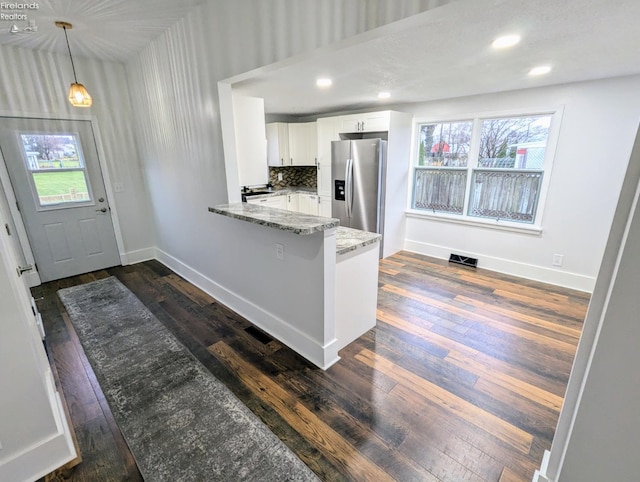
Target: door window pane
{"x": 514, "y": 142}
{"x": 61, "y": 187}
{"x": 444, "y": 144}
{"x": 57, "y": 168}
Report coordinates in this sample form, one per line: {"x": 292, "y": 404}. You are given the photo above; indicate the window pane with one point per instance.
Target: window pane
{"x": 439, "y": 190}
{"x": 61, "y": 187}
{"x": 514, "y": 143}
{"x": 444, "y": 144}
{"x": 51, "y": 151}
{"x": 511, "y": 196}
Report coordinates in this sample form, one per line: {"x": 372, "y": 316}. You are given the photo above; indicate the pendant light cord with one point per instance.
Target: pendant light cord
{"x": 69, "y": 48}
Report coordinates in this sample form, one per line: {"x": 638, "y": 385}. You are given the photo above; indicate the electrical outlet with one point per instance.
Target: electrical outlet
{"x": 279, "y": 176}
{"x": 118, "y": 187}
{"x": 279, "y": 251}
{"x": 557, "y": 260}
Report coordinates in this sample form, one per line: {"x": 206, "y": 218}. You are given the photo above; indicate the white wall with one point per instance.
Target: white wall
{"x": 174, "y": 91}
{"x": 598, "y": 426}
{"x": 37, "y": 83}
{"x": 597, "y": 132}
{"x": 34, "y": 437}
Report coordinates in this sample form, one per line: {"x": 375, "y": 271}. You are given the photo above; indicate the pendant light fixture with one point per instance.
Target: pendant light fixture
{"x": 78, "y": 95}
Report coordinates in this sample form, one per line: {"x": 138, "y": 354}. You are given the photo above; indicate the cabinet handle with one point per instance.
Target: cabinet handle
{"x": 363, "y": 125}
{"x": 291, "y": 161}
{"x": 282, "y": 161}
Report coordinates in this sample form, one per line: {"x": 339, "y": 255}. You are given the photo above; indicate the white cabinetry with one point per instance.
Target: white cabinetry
{"x": 368, "y": 122}
{"x": 325, "y": 206}
{"x": 278, "y": 144}
{"x": 308, "y": 203}
{"x": 251, "y": 149}
{"x": 292, "y": 144}
{"x": 279, "y": 202}
{"x": 292, "y": 201}
{"x": 303, "y": 144}
{"x": 327, "y": 128}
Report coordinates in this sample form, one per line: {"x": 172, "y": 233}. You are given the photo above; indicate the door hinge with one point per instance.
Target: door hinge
{"x": 6, "y": 226}
{"x": 18, "y": 205}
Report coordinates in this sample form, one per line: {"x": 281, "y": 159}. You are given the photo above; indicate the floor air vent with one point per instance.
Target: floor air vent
{"x": 463, "y": 260}
{"x": 261, "y": 336}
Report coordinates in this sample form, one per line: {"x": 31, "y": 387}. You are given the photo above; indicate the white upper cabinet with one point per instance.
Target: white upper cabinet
{"x": 303, "y": 144}
{"x": 367, "y": 122}
{"x": 278, "y": 144}
{"x": 327, "y": 132}
{"x": 251, "y": 143}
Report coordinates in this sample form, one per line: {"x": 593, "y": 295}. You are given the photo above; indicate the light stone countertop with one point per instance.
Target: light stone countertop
{"x": 297, "y": 223}
{"x": 348, "y": 239}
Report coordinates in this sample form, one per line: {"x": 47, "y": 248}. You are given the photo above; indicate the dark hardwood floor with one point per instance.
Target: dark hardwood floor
{"x": 461, "y": 380}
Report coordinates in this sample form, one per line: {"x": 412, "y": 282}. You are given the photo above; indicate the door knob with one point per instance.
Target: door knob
{"x": 103, "y": 210}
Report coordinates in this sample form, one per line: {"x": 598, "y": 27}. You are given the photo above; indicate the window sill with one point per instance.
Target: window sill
{"x": 478, "y": 223}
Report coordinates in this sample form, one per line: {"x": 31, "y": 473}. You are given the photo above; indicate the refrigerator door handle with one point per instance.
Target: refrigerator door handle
{"x": 348, "y": 176}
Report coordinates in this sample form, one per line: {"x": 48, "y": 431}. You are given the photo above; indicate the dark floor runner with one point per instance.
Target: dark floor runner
{"x": 180, "y": 422}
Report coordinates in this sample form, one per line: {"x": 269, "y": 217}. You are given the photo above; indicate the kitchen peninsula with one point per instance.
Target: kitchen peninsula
{"x": 303, "y": 279}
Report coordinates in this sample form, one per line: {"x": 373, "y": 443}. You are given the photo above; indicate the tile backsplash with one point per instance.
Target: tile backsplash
{"x": 303, "y": 176}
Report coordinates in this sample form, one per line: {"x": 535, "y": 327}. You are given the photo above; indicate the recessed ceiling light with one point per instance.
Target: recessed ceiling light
{"x": 324, "y": 82}
{"x": 540, "y": 70}
{"x": 384, "y": 95}
{"x": 506, "y": 41}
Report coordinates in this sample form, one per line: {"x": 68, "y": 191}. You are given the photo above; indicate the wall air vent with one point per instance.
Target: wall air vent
{"x": 463, "y": 260}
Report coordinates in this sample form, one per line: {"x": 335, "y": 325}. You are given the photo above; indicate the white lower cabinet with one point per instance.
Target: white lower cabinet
{"x": 292, "y": 201}
{"x": 325, "y": 206}
{"x": 279, "y": 202}
{"x": 308, "y": 204}
{"x": 298, "y": 201}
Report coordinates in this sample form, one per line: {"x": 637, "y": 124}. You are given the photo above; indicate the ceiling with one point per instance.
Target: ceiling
{"x": 446, "y": 52}
{"x": 442, "y": 53}
{"x": 103, "y": 29}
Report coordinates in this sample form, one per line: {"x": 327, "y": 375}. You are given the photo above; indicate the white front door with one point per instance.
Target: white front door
{"x": 55, "y": 174}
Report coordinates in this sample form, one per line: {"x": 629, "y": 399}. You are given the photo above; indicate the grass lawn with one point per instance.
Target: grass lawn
{"x": 56, "y": 183}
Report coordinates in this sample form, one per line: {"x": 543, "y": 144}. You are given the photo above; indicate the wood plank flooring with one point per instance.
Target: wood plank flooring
{"x": 461, "y": 380}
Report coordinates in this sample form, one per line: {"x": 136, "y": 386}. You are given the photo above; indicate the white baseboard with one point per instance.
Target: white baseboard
{"x": 539, "y": 476}
{"x": 321, "y": 356}
{"x": 138, "y": 256}
{"x": 523, "y": 270}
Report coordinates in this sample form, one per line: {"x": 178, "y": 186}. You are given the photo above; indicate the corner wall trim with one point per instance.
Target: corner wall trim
{"x": 319, "y": 355}
{"x": 537, "y": 273}
{"x": 138, "y": 256}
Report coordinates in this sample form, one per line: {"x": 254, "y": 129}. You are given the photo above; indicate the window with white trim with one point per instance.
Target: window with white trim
{"x": 490, "y": 168}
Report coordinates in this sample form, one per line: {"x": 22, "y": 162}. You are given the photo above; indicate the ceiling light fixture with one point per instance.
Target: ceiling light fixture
{"x": 78, "y": 95}
{"x": 324, "y": 82}
{"x": 384, "y": 95}
{"x": 540, "y": 70}
{"x": 506, "y": 41}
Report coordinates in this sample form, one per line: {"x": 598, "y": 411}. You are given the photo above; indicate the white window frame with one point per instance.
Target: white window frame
{"x": 536, "y": 227}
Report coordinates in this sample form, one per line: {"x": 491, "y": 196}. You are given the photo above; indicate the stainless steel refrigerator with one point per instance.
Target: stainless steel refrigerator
{"x": 357, "y": 189}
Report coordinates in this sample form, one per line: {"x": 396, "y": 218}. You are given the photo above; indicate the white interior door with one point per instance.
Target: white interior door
{"x": 56, "y": 177}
